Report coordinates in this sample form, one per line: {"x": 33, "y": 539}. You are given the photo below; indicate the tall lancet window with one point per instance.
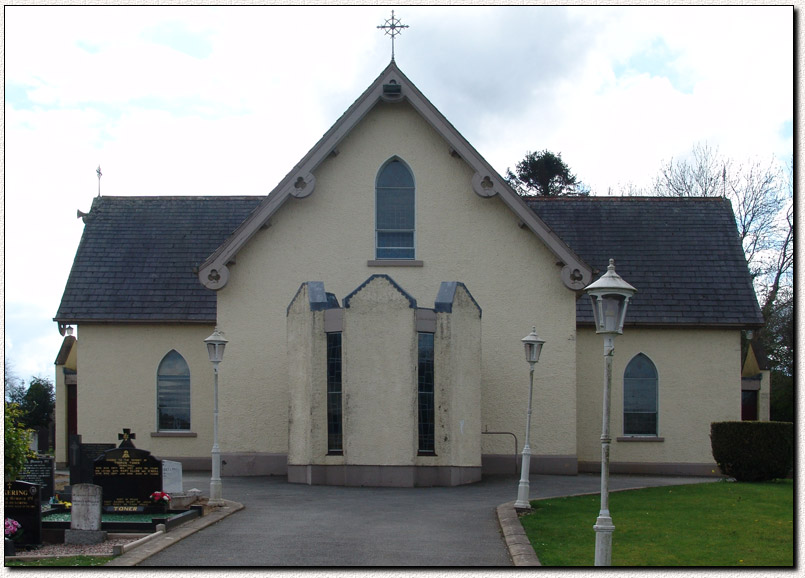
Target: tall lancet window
{"x": 173, "y": 393}
{"x": 425, "y": 395}
{"x": 640, "y": 397}
{"x": 395, "y": 212}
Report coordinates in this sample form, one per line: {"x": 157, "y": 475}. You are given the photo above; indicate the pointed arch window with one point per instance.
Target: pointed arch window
{"x": 640, "y": 397}
{"x": 395, "y": 228}
{"x": 173, "y": 393}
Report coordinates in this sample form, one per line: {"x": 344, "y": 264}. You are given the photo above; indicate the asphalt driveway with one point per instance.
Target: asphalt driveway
{"x": 286, "y": 524}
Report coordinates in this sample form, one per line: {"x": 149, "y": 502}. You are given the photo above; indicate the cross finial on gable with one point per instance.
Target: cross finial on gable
{"x": 393, "y": 28}
{"x": 126, "y": 438}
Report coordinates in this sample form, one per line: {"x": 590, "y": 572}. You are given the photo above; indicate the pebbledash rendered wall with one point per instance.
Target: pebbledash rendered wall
{"x": 379, "y": 326}
{"x": 329, "y": 236}
{"x": 117, "y": 375}
{"x": 698, "y": 383}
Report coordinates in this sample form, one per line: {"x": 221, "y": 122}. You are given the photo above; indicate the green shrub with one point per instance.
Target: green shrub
{"x": 16, "y": 443}
{"x": 753, "y": 451}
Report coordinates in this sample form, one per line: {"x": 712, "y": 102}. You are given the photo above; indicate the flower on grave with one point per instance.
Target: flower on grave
{"x": 158, "y": 497}
{"x": 12, "y": 527}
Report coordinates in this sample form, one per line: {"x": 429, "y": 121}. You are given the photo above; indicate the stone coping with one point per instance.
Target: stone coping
{"x": 520, "y": 549}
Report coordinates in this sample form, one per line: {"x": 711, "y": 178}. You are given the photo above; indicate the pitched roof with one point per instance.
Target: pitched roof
{"x": 138, "y": 255}
{"x": 137, "y": 258}
{"x": 301, "y": 182}
{"x": 682, "y": 254}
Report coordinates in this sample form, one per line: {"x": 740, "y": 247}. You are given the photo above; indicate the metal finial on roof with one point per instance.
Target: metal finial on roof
{"x": 100, "y": 174}
{"x": 393, "y": 28}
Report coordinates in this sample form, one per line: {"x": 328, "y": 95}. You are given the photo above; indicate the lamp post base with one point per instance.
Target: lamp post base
{"x": 522, "y": 504}
{"x": 603, "y": 541}
{"x": 215, "y": 494}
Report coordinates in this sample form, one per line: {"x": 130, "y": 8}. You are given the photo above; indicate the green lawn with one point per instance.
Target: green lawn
{"x": 62, "y": 561}
{"x": 711, "y": 524}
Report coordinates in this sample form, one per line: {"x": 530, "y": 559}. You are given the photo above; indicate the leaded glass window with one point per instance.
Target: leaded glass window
{"x": 425, "y": 394}
{"x": 640, "y": 397}
{"x": 395, "y": 212}
{"x": 173, "y": 393}
{"x": 334, "y": 407}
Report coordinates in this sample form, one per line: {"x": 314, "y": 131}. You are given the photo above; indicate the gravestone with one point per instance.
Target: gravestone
{"x": 83, "y": 466}
{"x": 85, "y": 516}
{"x": 172, "y": 477}
{"x": 22, "y": 504}
{"x": 41, "y": 470}
{"x": 128, "y": 477}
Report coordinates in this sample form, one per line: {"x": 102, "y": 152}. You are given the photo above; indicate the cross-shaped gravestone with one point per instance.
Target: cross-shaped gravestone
{"x": 126, "y": 438}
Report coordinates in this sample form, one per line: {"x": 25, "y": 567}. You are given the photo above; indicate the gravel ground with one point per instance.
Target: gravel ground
{"x": 102, "y": 549}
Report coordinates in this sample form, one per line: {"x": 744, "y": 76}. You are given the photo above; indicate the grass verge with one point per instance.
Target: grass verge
{"x": 61, "y": 561}
{"x": 711, "y": 524}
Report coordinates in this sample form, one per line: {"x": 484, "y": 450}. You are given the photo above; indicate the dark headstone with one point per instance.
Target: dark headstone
{"x": 82, "y": 468}
{"x": 22, "y": 504}
{"x": 128, "y": 477}
{"x": 74, "y": 457}
{"x": 42, "y": 471}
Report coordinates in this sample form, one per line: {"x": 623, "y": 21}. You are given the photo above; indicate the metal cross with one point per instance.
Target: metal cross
{"x": 126, "y": 438}
{"x": 393, "y": 28}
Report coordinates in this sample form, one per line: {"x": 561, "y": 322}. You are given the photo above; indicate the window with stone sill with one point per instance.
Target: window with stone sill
{"x": 640, "y": 398}
{"x": 395, "y": 213}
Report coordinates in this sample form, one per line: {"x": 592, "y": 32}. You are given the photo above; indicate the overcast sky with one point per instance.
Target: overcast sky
{"x": 225, "y": 100}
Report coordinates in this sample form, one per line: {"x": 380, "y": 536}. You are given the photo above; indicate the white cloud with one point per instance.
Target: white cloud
{"x": 225, "y": 100}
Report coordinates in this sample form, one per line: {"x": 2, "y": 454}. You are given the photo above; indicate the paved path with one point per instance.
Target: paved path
{"x": 286, "y": 524}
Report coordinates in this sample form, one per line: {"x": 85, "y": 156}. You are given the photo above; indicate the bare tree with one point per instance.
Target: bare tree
{"x": 760, "y": 200}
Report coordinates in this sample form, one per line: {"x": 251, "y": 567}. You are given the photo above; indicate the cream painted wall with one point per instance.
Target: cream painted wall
{"x": 329, "y": 237}
{"x": 457, "y": 387}
{"x": 764, "y": 396}
{"x": 60, "y": 410}
{"x": 699, "y": 383}
{"x": 307, "y": 379}
{"x": 61, "y": 416}
{"x": 117, "y": 372}
{"x": 379, "y": 381}
{"x": 380, "y": 411}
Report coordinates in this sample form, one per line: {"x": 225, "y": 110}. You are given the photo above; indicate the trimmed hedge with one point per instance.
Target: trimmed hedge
{"x": 753, "y": 451}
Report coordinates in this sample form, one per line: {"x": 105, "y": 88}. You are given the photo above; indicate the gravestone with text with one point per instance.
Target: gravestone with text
{"x": 128, "y": 477}
{"x": 41, "y": 470}
{"x": 85, "y": 516}
{"x": 172, "y": 477}
{"x": 22, "y": 503}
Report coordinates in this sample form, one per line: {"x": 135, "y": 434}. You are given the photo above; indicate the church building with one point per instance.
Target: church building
{"x": 374, "y": 304}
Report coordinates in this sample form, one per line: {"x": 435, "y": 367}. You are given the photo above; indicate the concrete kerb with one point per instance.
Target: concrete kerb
{"x": 520, "y": 550}
{"x": 158, "y": 541}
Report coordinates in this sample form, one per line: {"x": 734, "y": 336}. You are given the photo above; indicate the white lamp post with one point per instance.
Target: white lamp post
{"x": 533, "y": 347}
{"x": 610, "y": 296}
{"x": 215, "y": 349}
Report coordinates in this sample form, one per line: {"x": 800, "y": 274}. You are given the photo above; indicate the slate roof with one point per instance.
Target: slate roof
{"x": 682, "y": 254}
{"x": 137, "y": 256}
